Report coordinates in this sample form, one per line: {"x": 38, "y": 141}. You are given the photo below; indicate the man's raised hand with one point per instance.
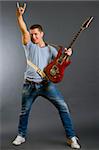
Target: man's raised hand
{"x": 20, "y": 10}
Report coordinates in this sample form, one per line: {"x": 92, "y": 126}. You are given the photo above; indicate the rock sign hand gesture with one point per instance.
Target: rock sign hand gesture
{"x": 20, "y": 10}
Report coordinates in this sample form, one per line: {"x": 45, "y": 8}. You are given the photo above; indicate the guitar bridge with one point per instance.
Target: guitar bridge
{"x": 54, "y": 70}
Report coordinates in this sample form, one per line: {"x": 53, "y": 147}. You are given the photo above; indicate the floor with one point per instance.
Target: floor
{"x": 45, "y": 131}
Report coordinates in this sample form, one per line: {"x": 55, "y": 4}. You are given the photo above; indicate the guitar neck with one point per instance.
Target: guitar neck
{"x": 75, "y": 38}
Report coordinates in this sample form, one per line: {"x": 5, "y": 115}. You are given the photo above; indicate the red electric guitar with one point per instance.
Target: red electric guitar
{"x": 55, "y": 70}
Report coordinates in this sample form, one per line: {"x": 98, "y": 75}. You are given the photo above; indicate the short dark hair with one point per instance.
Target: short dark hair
{"x": 38, "y": 26}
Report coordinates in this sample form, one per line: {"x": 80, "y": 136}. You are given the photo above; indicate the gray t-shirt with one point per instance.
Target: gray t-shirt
{"x": 38, "y": 56}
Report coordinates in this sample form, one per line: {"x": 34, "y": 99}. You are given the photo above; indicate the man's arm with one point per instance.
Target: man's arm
{"x": 25, "y": 33}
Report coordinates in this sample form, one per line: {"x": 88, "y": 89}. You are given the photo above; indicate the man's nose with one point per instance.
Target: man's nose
{"x": 34, "y": 37}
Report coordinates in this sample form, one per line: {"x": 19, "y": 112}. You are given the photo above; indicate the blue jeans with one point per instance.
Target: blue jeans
{"x": 50, "y": 92}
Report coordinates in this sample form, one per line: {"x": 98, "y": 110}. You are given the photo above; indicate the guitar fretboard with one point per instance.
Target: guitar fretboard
{"x": 74, "y": 39}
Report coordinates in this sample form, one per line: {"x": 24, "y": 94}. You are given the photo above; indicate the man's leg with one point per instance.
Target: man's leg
{"x": 28, "y": 96}
{"x": 53, "y": 94}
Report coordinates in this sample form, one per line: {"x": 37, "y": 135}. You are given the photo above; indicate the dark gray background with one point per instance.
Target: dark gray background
{"x": 61, "y": 20}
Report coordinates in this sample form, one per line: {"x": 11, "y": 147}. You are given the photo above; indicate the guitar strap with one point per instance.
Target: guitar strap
{"x": 37, "y": 69}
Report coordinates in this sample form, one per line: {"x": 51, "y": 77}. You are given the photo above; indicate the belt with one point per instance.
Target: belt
{"x": 32, "y": 82}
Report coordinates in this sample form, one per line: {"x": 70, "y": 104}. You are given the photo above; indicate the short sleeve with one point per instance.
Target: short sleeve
{"x": 28, "y": 45}
{"x": 28, "y": 48}
{"x": 53, "y": 51}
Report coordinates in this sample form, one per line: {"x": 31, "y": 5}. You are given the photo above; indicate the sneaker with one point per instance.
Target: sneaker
{"x": 73, "y": 143}
{"x": 18, "y": 140}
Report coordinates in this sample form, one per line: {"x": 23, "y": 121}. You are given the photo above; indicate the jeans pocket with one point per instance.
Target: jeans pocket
{"x": 26, "y": 89}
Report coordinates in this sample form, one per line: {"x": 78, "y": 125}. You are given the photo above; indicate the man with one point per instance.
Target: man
{"x": 40, "y": 54}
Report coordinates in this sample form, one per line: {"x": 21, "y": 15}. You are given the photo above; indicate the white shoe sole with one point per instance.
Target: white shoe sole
{"x": 16, "y": 144}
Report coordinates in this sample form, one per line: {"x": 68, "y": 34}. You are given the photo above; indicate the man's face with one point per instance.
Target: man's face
{"x": 36, "y": 35}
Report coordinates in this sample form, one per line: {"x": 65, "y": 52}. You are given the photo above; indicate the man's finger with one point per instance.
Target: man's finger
{"x": 65, "y": 49}
{"x": 70, "y": 49}
{"x": 24, "y": 5}
{"x": 18, "y": 5}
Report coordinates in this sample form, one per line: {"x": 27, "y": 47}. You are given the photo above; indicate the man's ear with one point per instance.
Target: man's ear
{"x": 42, "y": 34}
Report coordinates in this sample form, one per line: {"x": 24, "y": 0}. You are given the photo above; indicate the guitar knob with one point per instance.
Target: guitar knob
{"x": 55, "y": 77}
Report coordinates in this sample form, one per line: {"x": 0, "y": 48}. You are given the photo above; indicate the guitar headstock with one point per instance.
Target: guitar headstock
{"x": 86, "y": 23}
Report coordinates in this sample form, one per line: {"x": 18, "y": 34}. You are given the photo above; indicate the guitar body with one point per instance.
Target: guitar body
{"x": 55, "y": 70}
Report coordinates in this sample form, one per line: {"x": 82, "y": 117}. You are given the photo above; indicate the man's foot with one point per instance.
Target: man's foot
{"x": 73, "y": 143}
{"x": 18, "y": 140}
